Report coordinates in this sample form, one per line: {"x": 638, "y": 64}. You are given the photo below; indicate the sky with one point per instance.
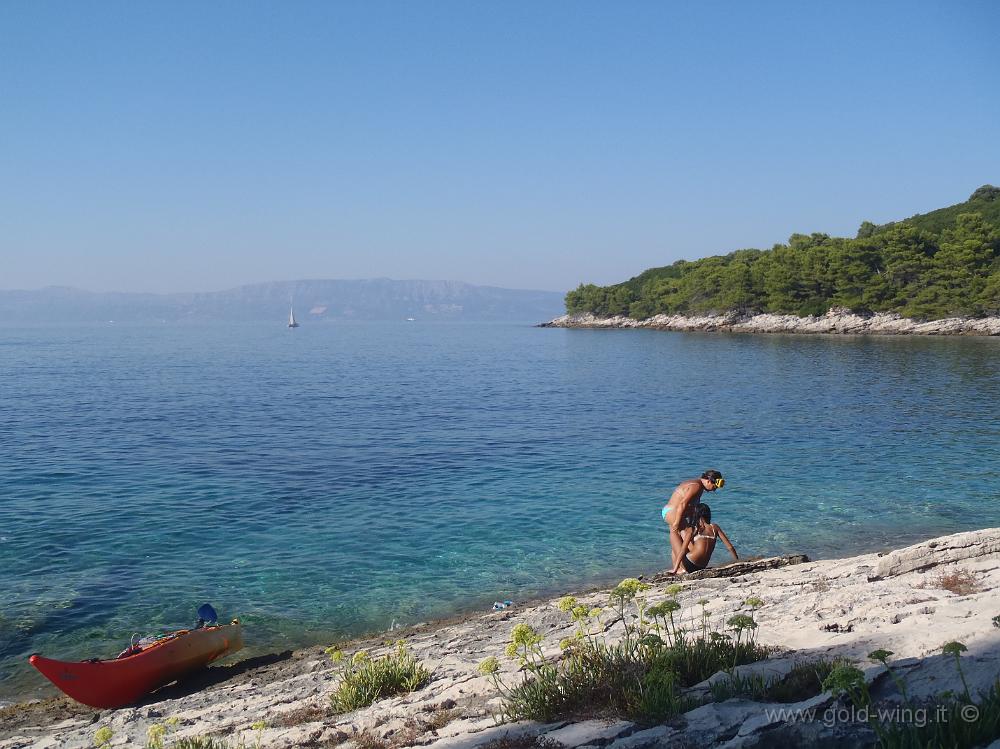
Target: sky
{"x": 190, "y": 146}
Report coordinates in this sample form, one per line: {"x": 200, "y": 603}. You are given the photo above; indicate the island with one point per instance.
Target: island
{"x": 933, "y": 273}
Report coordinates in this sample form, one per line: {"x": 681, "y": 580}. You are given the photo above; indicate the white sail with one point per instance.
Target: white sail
{"x": 291, "y": 318}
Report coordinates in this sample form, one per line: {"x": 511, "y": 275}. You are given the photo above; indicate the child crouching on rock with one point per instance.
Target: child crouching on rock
{"x": 697, "y": 550}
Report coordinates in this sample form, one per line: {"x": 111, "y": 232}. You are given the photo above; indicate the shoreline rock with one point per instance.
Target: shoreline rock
{"x": 899, "y": 600}
{"x": 836, "y": 321}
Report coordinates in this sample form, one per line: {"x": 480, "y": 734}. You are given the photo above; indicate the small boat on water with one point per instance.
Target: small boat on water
{"x": 291, "y": 318}
{"x": 142, "y": 667}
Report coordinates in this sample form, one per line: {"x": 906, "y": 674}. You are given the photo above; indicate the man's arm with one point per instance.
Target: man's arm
{"x": 725, "y": 540}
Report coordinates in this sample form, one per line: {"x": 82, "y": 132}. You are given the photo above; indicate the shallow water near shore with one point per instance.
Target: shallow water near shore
{"x": 343, "y": 478}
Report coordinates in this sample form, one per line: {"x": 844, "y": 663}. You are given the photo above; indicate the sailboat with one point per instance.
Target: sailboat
{"x": 291, "y": 317}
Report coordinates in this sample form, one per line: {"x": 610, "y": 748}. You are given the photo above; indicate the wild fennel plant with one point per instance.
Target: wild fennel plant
{"x": 956, "y": 723}
{"x": 640, "y": 676}
{"x": 956, "y": 649}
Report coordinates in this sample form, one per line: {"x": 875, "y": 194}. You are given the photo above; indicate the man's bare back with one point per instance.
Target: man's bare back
{"x": 679, "y": 511}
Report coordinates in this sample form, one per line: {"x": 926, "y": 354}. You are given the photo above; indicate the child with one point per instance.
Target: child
{"x": 700, "y": 548}
{"x": 679, "y": 514}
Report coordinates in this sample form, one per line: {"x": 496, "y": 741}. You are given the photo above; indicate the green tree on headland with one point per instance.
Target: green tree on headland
{"x": 933, "y": 265}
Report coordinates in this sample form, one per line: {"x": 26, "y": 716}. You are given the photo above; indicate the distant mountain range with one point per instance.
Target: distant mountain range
{"x": 370, "y": 299}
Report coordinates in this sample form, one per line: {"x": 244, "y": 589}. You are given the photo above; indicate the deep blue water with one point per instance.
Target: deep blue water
{"x": 340, "y": 478}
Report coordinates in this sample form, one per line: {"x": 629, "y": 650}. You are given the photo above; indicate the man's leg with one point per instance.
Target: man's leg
{"x": 677, "y": 542}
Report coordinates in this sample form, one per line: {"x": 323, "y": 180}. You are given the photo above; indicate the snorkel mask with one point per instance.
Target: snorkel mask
{"x": 720, "y": 482}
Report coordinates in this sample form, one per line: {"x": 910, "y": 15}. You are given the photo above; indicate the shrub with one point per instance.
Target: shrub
{"x": 639, "y": 677}
{"x": 103, "y": 736}
{"x": 364, "y": 680}
{"x": 959, "y": 582}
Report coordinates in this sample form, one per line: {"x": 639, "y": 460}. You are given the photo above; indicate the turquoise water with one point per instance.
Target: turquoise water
{"x": 338, "y": 479}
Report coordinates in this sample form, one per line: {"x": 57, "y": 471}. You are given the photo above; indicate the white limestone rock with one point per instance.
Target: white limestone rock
{"x": 835, "y": 320}
{"x": 826, "y": 608}
{"x": 594, "y": 732}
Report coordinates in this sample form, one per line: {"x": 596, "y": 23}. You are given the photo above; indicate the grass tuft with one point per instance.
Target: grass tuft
{"x": 805, "y": 680}
{"x": 199, "y": 742}
{"x": 365, "y": 680}
{"x": 957, "y": 723}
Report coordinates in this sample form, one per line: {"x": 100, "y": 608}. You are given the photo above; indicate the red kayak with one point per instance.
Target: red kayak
{"x": 138, "y": 671}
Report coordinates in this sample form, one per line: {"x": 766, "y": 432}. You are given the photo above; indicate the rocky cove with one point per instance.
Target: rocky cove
{"x": 904, "y": 601}
{"x": 835, "y": 321}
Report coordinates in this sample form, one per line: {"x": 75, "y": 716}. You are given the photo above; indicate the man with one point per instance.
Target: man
{"x": 679, "y": 513}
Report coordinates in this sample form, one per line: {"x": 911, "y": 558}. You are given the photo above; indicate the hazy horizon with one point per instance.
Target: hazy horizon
{"x": 185, "y": 148}
{"x": 275, "y": 281}
{"x": 314, "y": 300}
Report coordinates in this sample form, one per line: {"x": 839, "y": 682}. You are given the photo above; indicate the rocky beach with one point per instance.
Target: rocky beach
{"x": 835, "y": 321}
{"x": 909, "y": 601}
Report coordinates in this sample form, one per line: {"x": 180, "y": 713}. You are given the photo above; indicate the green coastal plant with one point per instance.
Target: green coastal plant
{"x": 956, "y": 649}
{"x": 203, "y": 742}
{"x": 585, "y": 618}
{"x": 103, "y": 736}
{"x": 154, "y": 736}
{"x": 848, "y": 680}
{"x": 157, "y": 736}
{"x": 364, "y": 680}
{"x": 882, "y": 656}
{"x": 966, "y": 722}
{"x": 748, "y": 686}
{"x": 703, "y": 602}
{"x": 804, "y": 680}
{"x": 955, "y": 723}
{"x": 641, "y": 676}
{"x": 741, "y": 623}
{"x": 665, "y": 610}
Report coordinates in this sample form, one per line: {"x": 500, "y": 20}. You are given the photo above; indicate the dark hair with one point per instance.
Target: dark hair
{"x": 704, "y": 512}
{"x": 711, "y": 475}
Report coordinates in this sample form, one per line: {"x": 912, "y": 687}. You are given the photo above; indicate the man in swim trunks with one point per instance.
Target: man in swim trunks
{"x": 679, "y": 512}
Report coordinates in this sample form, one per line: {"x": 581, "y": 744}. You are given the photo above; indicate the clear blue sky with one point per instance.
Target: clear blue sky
{"x": 194, "y": 146}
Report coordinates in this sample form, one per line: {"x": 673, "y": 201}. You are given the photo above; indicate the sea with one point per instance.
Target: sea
{"x": 348, "y": 478}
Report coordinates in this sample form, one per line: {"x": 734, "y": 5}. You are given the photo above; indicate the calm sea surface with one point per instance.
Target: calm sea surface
{"x": 342, "y": 478}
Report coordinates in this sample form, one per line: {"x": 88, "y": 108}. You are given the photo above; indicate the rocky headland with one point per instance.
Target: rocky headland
{"x": 910, "y": 601}
{"x": 836, "y": 321}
